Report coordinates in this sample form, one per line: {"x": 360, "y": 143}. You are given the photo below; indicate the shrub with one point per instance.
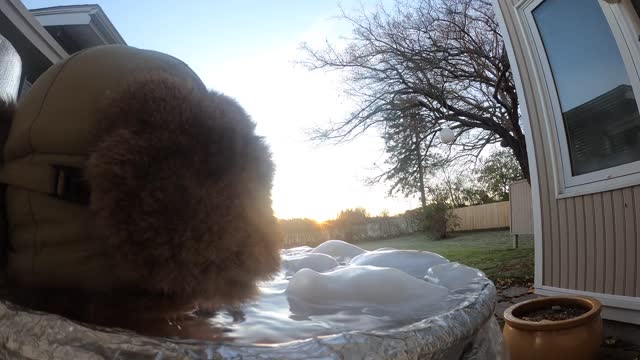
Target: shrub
{"x": 352, "y": 223}
{"x": 438, "y": 220}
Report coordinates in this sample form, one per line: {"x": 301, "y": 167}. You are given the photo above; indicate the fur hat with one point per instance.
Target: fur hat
{"x": 181, "y": 192}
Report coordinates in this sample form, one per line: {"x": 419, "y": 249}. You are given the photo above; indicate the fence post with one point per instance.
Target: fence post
{"x": 515, "y": 241}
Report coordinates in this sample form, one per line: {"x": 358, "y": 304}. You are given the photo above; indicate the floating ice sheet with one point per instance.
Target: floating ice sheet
{"x": 454, "y": 276}
{"x": 414, "y": 263}
{"x": 364, "y": 286}
{"x": 338, "y": 249}
{"x": 314, "y": 261}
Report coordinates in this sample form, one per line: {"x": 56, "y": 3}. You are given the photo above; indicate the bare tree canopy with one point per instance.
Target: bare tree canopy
{"x": 443, "y": 60}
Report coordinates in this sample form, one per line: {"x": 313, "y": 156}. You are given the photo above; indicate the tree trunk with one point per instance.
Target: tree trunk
{"x": 418, "y": 149}
{"x": 520, "y": 153}
{"x": 423, "y": 195}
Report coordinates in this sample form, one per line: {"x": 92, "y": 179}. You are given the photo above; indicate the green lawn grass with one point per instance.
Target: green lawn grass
{"x": 489, "y": 251}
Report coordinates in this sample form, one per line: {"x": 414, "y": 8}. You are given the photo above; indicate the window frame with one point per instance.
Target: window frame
{"x": 625, "y": 27}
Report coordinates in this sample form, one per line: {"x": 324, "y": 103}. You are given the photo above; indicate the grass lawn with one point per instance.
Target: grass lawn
{"x": 489, "y": 251}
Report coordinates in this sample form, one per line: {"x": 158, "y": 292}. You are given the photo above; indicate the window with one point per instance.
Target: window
{"x": 588, "y": 53}
{"x": 599, "y": 109}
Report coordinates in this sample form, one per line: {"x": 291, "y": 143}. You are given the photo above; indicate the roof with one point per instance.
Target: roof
{"x": 77, "y": 27}
{"x": 26, "y": 34}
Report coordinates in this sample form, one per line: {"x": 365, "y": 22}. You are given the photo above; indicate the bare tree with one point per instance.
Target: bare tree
{"x": 443, "y": 59}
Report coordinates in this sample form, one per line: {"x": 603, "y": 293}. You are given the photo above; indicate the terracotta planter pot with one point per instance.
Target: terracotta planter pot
{"x": 576, "y": 338}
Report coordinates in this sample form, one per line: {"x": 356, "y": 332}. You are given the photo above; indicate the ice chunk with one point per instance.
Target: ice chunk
{"x": 295, "y": 251}
{"x": 453, "y": 275}
{"x": 414, "y": 263}
{"x": 314, "y": 261}
{"x": 359, "y": 286}
{"x": 338, "y": 248}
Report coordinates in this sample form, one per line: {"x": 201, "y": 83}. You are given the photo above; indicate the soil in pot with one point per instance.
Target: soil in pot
{"x": 553, "y": 313}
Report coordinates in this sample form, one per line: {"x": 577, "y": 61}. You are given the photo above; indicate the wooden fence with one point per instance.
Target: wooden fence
{"x": 371, "y": 229}
{"x": 488, "y": 216}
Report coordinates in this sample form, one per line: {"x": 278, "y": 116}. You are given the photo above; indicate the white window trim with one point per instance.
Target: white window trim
{"x": 531, "y": 150}
{"x": 612, "y": 178}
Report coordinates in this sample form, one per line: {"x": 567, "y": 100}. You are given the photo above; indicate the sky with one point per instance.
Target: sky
{"x": 248, "y": 49}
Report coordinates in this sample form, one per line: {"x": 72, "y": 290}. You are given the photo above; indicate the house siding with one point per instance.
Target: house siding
{"x": 521, "y": 208}
{"x": 596, "y": 246}
{"x": 589, "y": 242}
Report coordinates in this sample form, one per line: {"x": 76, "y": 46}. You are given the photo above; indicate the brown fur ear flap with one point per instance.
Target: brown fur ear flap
{"x": 7, "y": 111}
{"x": 181, "y": 190}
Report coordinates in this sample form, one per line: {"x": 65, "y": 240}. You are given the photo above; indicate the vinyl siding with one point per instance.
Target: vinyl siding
{"x": 589, "y": 242}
